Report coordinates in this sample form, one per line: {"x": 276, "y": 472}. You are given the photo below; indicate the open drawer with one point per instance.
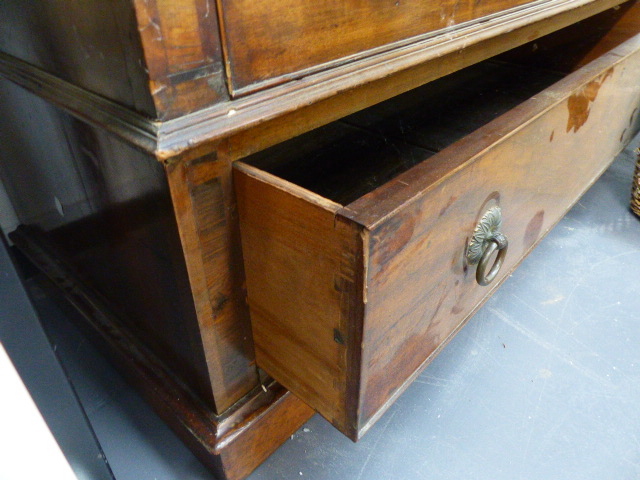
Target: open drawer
{"x": 356, "y": 236}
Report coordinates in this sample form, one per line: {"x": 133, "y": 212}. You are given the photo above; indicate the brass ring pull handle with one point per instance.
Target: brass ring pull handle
{"x": 486, "y": 240}
{"x": 498, "y": 242}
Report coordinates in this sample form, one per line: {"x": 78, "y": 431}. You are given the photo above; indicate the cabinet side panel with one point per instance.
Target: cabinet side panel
{"x": 89, "y": 43}
{"x": 107, "y": 208}
{"x": 301, "y": 267}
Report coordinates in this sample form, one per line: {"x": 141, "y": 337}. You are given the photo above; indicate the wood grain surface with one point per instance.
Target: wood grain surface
{"x": 291, "y": 239}
{"x": 304, "y": 34}
{"x": 335, "y": 291}
{"x": 182, "y": 54}
{"x": 264, "y": 118}
{"x": 202, "y": 202}
{"x": 534, "y": 162}
{"x": 577, "y": 45}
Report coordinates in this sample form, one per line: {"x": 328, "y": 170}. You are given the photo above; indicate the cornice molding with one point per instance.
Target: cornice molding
{"x": 94, "y": 109}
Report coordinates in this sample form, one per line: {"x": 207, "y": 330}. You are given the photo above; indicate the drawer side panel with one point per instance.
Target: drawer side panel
{"x": 304, "y": 270}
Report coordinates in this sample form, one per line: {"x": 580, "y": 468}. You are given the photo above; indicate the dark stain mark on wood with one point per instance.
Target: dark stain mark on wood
{"x": 220, "y": 301}
{"x": 392, "y": 238}
{"x": 452, "y": 199}
{"x": 459, "y": 259}
{"x": 551, "y": 136}
{"x": 443, "y": 297}
{"x": 579, "y": 104}
{"x": 457, "y": 309}
{"x": 532, "y": 232}
{"x": 340, "y": 284}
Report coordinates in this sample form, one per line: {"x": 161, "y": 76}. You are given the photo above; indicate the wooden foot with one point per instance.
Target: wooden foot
{"x": 232, "y": 444}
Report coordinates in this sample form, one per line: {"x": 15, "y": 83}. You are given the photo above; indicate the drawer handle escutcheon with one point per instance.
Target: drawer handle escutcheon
{"x": 485, "y": 241}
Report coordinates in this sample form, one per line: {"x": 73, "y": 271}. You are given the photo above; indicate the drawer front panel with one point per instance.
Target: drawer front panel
{"x": 262, "y": 45}
{"x": 420, "y": 287}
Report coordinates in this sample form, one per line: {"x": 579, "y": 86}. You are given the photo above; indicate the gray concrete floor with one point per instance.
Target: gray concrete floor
{"x": 543, "y": 383}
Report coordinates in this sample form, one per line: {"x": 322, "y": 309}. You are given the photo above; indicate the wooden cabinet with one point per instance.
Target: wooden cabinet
{"x": 234, "y": 192}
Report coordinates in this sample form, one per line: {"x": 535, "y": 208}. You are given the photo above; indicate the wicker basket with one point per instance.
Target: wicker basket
{"x": 635, "y": 190}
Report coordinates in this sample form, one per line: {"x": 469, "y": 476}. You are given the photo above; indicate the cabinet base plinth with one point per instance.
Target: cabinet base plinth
{"x": 231, "y": 444}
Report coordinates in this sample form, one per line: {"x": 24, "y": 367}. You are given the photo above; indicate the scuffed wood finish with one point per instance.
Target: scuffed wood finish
{"x": 113, "y": 217}
{"x": 258, "y": 430}
{"x": 182, "y": 53}
{"x": 162, "y": 87}
{"x": 408, "y": 287}
{"x": 202, "y": 202}
{"x": 128, "y": 125}
{"x": 118, "y": 226}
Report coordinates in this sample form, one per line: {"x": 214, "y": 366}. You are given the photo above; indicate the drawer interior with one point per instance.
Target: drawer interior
{"x": 352, "y": 157}
{"x": 349, "y": 158}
